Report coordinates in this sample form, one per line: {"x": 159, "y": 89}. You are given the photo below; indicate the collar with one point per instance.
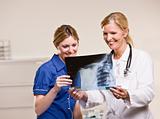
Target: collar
{"x": 125, "y": 55}
{"x": 59, "y": 64}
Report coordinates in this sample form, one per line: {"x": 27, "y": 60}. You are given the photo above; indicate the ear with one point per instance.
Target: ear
{"x": 125, "y": 32}
{"x": 58, "y": 50}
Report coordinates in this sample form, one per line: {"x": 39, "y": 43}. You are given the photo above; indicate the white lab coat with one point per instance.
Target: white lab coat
{"x": 139, "y": 84}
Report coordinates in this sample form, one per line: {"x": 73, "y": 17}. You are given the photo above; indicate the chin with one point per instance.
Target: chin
{"x": 72, "y": 55}
{"x": 112, "y": 47}
{"x": 69, "y": 56}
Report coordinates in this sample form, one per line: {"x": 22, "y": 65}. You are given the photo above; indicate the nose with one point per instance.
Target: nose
{"x": 108, "y": 37}
{"x": 71, "y": 50}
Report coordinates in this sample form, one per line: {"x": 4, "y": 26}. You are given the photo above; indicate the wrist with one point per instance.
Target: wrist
{"x": 56, "y": 89}
{"x": 85, "y": 97}
{"x": 126, "y": 96}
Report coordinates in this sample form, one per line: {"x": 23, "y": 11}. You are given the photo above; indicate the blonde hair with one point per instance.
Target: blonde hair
{"x": 63, "y": 32}
{"x": 119, "y": 19}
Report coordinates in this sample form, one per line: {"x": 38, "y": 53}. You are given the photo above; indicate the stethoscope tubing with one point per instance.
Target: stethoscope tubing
{"x": 128, "y": 65}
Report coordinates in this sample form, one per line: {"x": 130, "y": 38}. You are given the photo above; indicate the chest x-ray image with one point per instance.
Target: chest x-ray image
{"x": 93, "y": 71}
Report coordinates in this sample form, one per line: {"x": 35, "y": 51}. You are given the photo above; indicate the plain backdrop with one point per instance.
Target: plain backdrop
{"x": 30, "y": 24}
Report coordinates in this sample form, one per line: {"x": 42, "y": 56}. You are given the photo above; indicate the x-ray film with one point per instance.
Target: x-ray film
{"x": 95, "y": 71}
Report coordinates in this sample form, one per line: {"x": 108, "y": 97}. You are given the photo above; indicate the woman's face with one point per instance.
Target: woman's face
{"x": 114, "y": 36}
{"x": 68, "y": 47}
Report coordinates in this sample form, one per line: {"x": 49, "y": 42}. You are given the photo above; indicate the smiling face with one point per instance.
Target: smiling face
{"x": 66, "y": 40}
{"x": 68, "y": 47}
{"x": 114, "y": 36}
{"x": 116, "y": 32}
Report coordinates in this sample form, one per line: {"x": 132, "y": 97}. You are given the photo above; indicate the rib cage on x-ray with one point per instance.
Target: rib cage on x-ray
{"x": 97, "y": 75}
{"x": 104, "y": 73}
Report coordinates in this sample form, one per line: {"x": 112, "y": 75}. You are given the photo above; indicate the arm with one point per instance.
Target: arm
{"x": 77, "y": 114}
{"x": 90, "y": 98}
{"x": 144, "y": 93}
{"x": 43, "y": 102}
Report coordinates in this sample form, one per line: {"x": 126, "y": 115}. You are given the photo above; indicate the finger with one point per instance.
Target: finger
{"x": 73, "y": 91}
{"x": 64, "y": 80}
{"x": 76, "y": 91}
{"x": 114, "y": 90}
{"x": 64, "y": 83}
{"x": 122, "y": 92}
{"x": 77, "y": 96}
{"x": 120, "y": 89}
{"x": 64, "y": 76}
{"x": 116, "y": 96}
{"x": 74, "y": 95}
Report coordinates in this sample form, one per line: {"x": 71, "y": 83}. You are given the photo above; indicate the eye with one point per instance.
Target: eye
{"x": 105, "y": 33}
{"x": 113, "y": 33}
{"x": 74, "y": 45}
{"x": 65, "y": 46}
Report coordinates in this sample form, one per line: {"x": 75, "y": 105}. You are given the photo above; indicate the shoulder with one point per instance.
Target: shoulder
{"x": 141, "y": 55}
{"x": 47, "y": 66}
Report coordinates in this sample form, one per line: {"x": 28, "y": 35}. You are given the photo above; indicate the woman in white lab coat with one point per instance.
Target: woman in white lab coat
{"x": 133, "y": 72}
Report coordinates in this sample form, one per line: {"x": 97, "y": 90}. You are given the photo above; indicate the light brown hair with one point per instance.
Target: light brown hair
{"x": 63, "y": 32}
{"x": 121, "y": 21}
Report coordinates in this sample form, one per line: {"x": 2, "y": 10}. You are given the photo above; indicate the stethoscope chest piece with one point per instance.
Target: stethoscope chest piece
{"x": 126, "y": 72}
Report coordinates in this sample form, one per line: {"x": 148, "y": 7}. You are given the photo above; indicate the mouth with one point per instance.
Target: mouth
{"x": 110, "y": 43}
{"x": 70, "y": 55}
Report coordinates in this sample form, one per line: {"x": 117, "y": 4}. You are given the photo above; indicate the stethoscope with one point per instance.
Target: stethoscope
{"x": 126, "y": 70}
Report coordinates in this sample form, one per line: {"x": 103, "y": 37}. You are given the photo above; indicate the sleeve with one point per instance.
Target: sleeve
{"x": 144, "y": 93}
{"x": 95, "y": 97}
{"x": 41, "y": 82}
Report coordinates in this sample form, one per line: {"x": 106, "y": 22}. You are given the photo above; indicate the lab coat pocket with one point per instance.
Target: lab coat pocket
{"x": 130, "y": 81}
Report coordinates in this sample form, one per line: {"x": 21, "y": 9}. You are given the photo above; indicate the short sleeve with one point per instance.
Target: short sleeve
{"x": 41, "y": 82}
